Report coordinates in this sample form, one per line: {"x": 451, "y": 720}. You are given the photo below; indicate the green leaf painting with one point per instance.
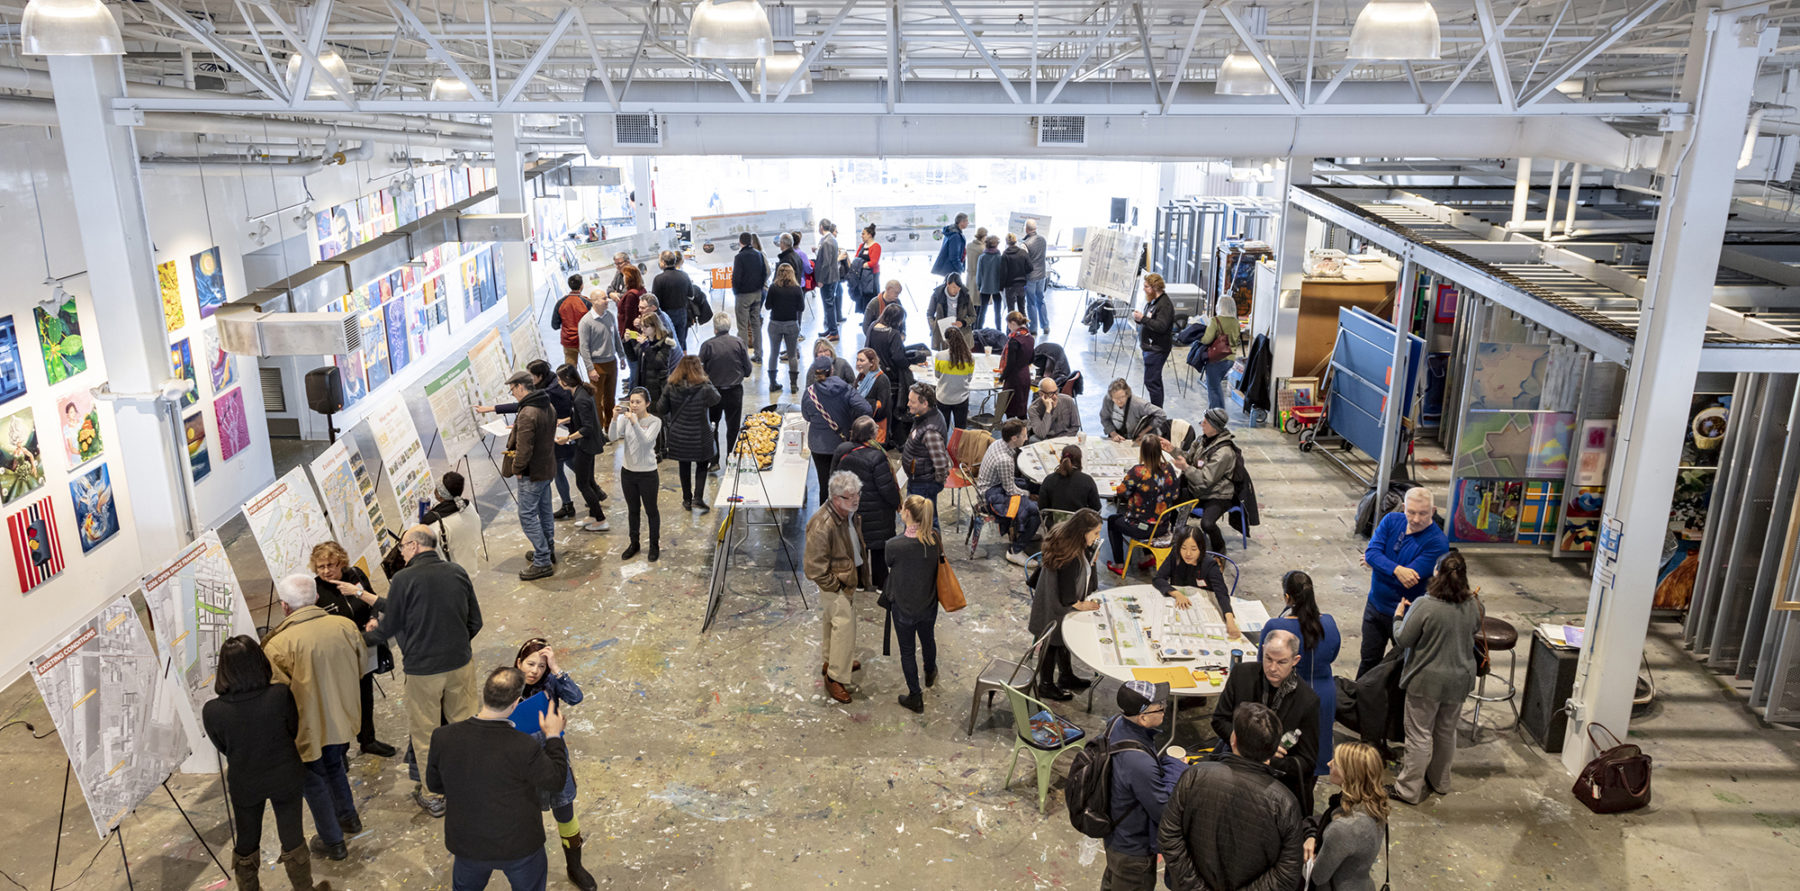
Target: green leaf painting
{"x": 59, "y": 335}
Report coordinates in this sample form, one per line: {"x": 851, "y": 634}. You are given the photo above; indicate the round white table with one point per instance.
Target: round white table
{"x": 1101, "y": 458}
{"x": 986, "y": 376}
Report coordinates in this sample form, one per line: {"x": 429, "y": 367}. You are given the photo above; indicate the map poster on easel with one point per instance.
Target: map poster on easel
{"x": 286, "y": 520}
{"x": 195, "y": 604}
{"x": 487, "y": 361}
{"x": 1109, "y": 263}
{"x": 914, "y": 228}
{"x": 349, "y": 496}
{"x": 527, "y": 344}
{"x": 102, "y": 684}
{"x": 453, "y": 397}
{"x": 402, "y": 454}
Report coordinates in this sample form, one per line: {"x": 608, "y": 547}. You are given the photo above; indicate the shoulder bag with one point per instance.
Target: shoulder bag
{"x": 949, "y": 588}
{"x": 1618, "y": 779}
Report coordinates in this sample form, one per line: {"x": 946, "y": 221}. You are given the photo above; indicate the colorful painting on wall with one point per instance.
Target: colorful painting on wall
{"x": 1487, "y": 510}
{"x": 1578, "y": 536}
{"x": 394, "y": 312}
{"x": 37, "y": 551}
{"x": 350, "y": 375}
{"x": 1444, "y": 307}
{"x": 233, "y": 425}
{"x": 21, "y": 464}
{"x": 374, "y": 348}
{"x": 96, "y": 519}
{"x": 181, "y": 361}
{"x": 12, "y": 368}
{"x": 168, "y": 282}
{"x": 1594, "y": 452}
{"x": 199, "y": 459}
{"x": 1515, "y": 444}
{"x": 80, "y": 427}
{"x": 59, "y": 336}
{"x": 220, "y": 365}
{"x": 209, "y": 281}
{"x": 1538, "y": 512}
{"x": 471, "y": 281}
{"x": 1508, "y": 376}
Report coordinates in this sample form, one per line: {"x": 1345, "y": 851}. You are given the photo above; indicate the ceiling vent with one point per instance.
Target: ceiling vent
{"x": 1062, "y": 130}
{"x": 636, "y": 129}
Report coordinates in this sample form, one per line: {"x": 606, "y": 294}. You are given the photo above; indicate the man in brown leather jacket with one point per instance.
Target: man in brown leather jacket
{"x": 835, "y": 560}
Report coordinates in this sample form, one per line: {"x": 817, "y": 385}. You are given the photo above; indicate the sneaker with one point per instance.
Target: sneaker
{"x": 328, "y": 850}
{"x": 1016, "y": 558}
{"x": 378, "y": 748}
{"x": 567, "y": 511}
{"x": 433, "y": 804}
{"x": 595, "y": 526}
{"x": 537, "y": 571}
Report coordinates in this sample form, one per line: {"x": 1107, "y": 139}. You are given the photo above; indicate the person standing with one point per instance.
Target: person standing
{"x": 822, "y": 349}
{"x": 583, "y": 443}
{"x": 569, "y": 312}
{"x": 601, "y": 343}
{"x": 532, "y": 448}
{"x": 1224, "y": 323}
{"x": 1065, "y": 582}
{"x": 1406, "y": 545}
{"x": 639, "y": 429}
{"x": 431, "y": 611}
{"x": 1440, "y": 630}
{"x": 861, "y": 455}
{"x": 1037, "y": 251}
{"x": 971, "y": 256}
{"x": 749, "y": 270}
{"x": 786, "y": 302}
{"x": 867, "y": 267}
{"x": 340, "y": 587}
{"x": 1231, "y": 823}
{"x": 1319, "y": 646}
{"x": 1141, "y": 782}
{"x": 1053, "y": 414}
{"x": 537, "y": 662}
{"x": 1208, "y": 468}
{"x": 950, "y": 252}
{"x": 688, "y": 438}
{"x": 925, "y": 456}
{"x": 1273, "y": 682}
{"x": 1015, "y": 365}
{"x": 726, "y": 363}
{"x": 319, "y": 657}
{"x": 834, "y": 560}
{"x": 671, "y": 288}
{"x": 631, "y": 310}
{"x": 998, "y": 485}
{"x": 949, "y": 301}
{"x": 955, "y": 366}
{"x": 829, "y": 279}
{"x": 253, "y": 722}
{"x": 620, "y": 262}
{"x": 910, "y": 564}
{"x": 1015, "y": 268}
{"x": 1342, "y": 843}
{"x": 1156, "y": 325}
{"x": 660, "y": 355}
{"x": 873, "y": 386}
{"x": 493, "y": 776}
{"x": 888, "y": 339}
{"x": 829, "y": 407}
{"x": 987, "y": 283}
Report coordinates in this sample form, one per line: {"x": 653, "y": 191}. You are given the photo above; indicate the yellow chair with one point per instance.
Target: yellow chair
{"x": 1058, "y": 736}
{"x": 1162, "y": 535}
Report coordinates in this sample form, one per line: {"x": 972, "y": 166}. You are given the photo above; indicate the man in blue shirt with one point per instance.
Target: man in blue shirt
{"x": 1141, "y": 783}
{"x": 1406, "y": 545}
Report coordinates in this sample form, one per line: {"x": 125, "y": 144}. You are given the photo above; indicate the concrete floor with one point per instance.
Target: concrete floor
{"x": 717, "y": 762}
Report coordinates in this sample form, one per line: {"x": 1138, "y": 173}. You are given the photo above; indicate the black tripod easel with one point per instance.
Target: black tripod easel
{"x": 118, "y": 832}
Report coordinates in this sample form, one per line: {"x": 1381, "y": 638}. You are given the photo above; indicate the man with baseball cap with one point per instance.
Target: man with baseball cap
{"x": 1141, "y": 783}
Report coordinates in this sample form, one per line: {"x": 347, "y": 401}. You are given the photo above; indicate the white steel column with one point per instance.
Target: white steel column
{"x": 509, "y": 177}
{"x": 1521, "y": 192}
{"x": 1290, "y": 258}
{"x": 642, "y": 189}
{"x": 1700, "y": 164}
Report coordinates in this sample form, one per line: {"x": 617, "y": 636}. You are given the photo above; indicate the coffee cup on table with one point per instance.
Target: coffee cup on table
{"x": 1176, "y": 752}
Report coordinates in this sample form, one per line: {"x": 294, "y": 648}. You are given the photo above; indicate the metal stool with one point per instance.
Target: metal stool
{"x": 1500, "y": 637}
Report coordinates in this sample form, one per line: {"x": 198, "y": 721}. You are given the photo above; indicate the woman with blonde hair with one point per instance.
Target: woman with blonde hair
{"x": 342, "y": 587}
{"x": 911, "y": 594}
{"x": 1342, "y": 843}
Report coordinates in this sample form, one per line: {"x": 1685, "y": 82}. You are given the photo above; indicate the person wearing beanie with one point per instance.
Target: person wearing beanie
{"x": 829, "y": 406}
{"x": 1141, "y": 783}
{"x": 458, "y": 527}
{"x": 1206, "y": 469}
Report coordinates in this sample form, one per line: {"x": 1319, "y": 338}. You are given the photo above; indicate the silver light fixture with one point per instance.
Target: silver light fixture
{"x": 449, "y": 89}
{"x": 320, "y": 88}
{"x": 1395, "y": 30}
{"x": 729, "y": 29}
{"x": 70, "y": 28}
{"x": 773, "y": 71}
{"x": 1242, "y": 75}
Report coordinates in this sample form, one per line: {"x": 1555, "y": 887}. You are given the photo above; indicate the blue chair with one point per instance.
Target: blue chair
{"x": 1236, "y": 573}
{"x": 1235, "y": 509}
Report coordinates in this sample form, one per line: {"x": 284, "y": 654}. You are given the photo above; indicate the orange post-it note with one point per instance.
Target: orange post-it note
{"x": 1176, "y": 678}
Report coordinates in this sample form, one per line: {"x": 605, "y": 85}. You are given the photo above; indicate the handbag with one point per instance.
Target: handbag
{"x": 1617, "y": 780}
{"x": 949, "y": 588}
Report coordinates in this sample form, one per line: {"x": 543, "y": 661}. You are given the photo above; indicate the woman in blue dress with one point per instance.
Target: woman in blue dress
{"x": 1320, "y": 642}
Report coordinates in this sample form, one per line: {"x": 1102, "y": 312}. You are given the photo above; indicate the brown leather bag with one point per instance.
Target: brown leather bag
{"x": 949, "y": 587}
{"x": 1617, "y": 780}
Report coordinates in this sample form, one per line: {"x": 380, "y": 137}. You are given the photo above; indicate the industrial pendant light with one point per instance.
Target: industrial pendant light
{"x": 1241, "y": 75}
{"x": 449, "y": 88}
{"x": 70, "y": 28}
{"x": 1395, "y": 30}
{"x": 320, "y": 88}
{"x": 773, "y": 71}
{"x": 729, "y": 29}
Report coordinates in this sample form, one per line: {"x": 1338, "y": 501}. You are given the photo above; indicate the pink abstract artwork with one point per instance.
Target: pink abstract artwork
{"x": 233, "y": 425}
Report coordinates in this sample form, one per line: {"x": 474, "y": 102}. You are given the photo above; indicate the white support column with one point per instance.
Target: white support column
{"x": 1556, "y": 170}
{"x": 641, "y": 187}
{"x": 509, "y": 176}
{"x": 1279, "y": 321}
{"x": 1700, "y": 164}
{"x": 1521, "y": 192}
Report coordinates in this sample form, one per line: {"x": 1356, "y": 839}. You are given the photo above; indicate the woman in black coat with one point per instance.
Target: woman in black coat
{"x": 687, "y": 431}
{"x": 1190, "y": 566}
{"x": 253, "y": 723}
{"x": 1065, "y": 582}
{"x": 862, "y": 456}
{"x": 656, "y": 358}
{"x": 340, "y": 587}
{"x": 583, "y": 443}
{"x": 888, "y": 340}
{"x": 876, "y": 389}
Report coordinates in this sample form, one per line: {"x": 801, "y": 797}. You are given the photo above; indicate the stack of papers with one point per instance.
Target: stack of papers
{"x": 1570, "y": 636}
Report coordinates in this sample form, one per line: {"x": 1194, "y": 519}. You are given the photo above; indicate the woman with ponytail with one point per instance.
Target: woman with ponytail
{"x": 1320, "y": 643}
{"x": 1067, "y": 488}
{"x": 1440, "y": 630}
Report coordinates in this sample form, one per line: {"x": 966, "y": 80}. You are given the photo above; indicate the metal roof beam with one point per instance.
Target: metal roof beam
{"x": 993, "y": 65}
{"x": 1255, "y": 49}
{"x": 1594, "y": 48}
{"x": 405, "y": 16}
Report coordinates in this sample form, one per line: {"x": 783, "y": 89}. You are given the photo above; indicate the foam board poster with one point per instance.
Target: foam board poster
{"x": 716, "y": 235}
{"x": 287, "y": 522}
{"x": 1109, "y": 263}
{"x": 527, "y": 344}
{"x": 452, "y": 399}
{"x": 913, "y": 228}
{"x": 1015, "y": 223}
{"x": 347, "y": 503}
{"x": 195, "y": 603}
{"x": 487, "y": 361}
{"x": 402, "y": 454}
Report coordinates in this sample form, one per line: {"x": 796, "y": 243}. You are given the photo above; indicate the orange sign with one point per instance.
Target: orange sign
{"x": 721, "y": 278}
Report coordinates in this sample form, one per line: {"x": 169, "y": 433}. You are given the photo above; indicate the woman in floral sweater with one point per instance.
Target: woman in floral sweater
{"x": 1145, "y": 492}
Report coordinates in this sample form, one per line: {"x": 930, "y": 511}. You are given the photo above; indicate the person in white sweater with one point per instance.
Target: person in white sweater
{"x": 636, "y": 430}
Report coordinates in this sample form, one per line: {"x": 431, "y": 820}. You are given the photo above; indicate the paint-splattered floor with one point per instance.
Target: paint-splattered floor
{"x": 715, "y": 762}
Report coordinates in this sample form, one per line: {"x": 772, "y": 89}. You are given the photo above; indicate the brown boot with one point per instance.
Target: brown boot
{"x": 246, "y": 867}
{"x": 299, "y": 870}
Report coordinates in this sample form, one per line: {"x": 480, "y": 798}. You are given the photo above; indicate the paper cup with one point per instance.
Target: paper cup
{"x": 1176, "y": 752}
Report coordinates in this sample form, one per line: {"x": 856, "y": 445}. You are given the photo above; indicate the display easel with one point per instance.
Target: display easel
{"x": 118, "y": 832}
{"x": 727, "y": 543}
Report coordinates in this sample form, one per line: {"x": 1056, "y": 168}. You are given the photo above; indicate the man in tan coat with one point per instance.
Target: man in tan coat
{"x": 320, "y": 657}
{"x": 834, "y": 560}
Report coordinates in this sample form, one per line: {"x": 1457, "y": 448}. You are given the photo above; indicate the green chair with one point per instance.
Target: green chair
{"x": 1053, "y": 517}
{"x": 1062, "y": 737}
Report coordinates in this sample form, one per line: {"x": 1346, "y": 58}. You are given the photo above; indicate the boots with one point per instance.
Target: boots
{"x": 299, "y": 870}
{"x": 245, "y": 866}
{"x": 793, "y": 381}
{"x": 578, "y": 876}
{"x": 774, "y": 385}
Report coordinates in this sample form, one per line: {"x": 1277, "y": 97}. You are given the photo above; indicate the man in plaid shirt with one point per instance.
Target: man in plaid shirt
{"x": 998, "y": 484}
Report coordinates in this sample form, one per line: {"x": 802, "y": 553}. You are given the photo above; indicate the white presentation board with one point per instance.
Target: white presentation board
{"x": 1109, "y": 263}
{"x": 287, "y": 522}
{"x": 349, "y": 496}
{"x": 1015, "y": 223}
{"x": 912, "y": 228}
{"x": 453, "y": 397}
{"x": 402, "y": 455}
{"x": 721, "y": 231}
{"x": 195, "y": 604}
{"x": 487, "y": 361}
{"x": 527, "y": 343}
{"x": 102, "y": 684}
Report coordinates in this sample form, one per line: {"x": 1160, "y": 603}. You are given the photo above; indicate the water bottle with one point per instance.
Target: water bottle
{"x": 1090, "y": 848}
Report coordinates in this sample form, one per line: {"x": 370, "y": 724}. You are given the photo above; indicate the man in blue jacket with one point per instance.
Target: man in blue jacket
{"x": 1141, "y": 783}
{"x": 1406, "y": 545}
{"x": 950, "y": 253}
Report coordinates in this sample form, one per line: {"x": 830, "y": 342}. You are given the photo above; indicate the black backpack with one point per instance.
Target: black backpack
{"x": 1089, "y": 789}
{"x": 699, "y": 308}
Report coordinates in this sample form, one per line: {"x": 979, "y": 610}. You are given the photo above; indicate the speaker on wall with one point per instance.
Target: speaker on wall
{"x": 325, "y": 390}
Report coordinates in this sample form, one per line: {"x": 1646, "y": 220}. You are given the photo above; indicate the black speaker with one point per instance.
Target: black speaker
{"x": 325, "y": 390}
{"x": 1118, "y": 210}
{"x": 1549, "y": 680}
